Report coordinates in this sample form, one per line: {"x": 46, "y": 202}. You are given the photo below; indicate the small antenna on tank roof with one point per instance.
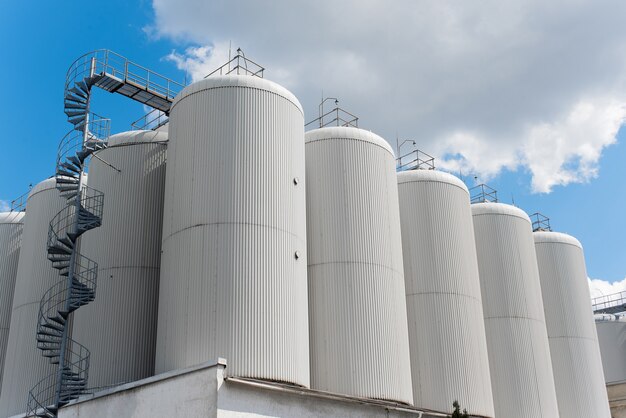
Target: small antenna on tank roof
{"x": 230, "y": 47}
{"x": 397, "y": 144}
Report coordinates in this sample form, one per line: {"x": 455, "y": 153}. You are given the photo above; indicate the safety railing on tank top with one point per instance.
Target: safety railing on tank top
{"x": 540, "y": 222}
{"x": 152, "y": 120}
{"x": 483, "y": 194}
{"x": 239, "y": 65}
{"x": 415, "y": 160}
{"x": 19, "y": 203}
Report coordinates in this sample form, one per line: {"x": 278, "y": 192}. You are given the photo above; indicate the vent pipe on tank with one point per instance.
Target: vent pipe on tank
{"x": 334, "y": 117}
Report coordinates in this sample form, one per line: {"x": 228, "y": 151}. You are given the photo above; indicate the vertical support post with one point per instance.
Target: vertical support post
{"x": 92, "y": 67}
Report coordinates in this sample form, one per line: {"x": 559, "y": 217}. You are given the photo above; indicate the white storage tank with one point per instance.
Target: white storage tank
{"x": 612, "y": 342}
{"x": 233, "y": 267}
{"x": 357, "y": 306}
{"x": 576, "y": 362}
{"x": 11, "y": 224}
{"x": 446, "y": 328}
{"x": 517, "y": 340}
{"x": 119, "y": 327}
{"x": 24, "y": 365}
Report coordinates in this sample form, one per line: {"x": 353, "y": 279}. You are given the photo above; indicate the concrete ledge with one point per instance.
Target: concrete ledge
{"x": 149, "y": 380}
{"x": 206, "y": 391}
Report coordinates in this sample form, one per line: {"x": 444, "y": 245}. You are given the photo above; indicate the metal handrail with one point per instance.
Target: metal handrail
{"x": 19, "y": 203}
{"x": 482, "y": 194}
{"x": 241, "y": 66}
{"x": 76, "y": 362}
{"x": 98, "y": 129}
{"x": 540, "y": 222}
{"x": 92, "y": 200}
{"x": 150, "y": 121}
{"x": 341, "y": 118}
{"x": 106, "y": 62}
{"x": 608, "y": 301}
{"x": 61, "y": 225}
{"x": 36, "y": 402}
{"x": 420, "y": 161}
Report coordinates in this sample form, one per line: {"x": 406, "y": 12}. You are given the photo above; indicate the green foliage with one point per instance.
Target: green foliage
{"x": 457, "y": 411}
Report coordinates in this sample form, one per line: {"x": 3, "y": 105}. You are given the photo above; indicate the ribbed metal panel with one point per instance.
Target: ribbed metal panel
{"x": 576, "y": 363}
{"x": 357, "y": 307}
{"x": 24, "y": 365}
{"x": 11, "y": 224}
{"x": 517, "y": 340}
{"x": 234, "y": 219}
{"x": 612, "y": 341}
{"x": 119, "y": 327}
{"x": 446, "y": 328}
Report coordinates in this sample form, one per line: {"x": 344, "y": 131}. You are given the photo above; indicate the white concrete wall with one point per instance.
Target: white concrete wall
{"x": 203, "y": 392}
{"x": 183, "y": 393}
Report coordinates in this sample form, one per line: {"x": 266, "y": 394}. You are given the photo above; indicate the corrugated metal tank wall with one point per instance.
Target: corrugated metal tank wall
{"x": 24, "y": 364}
{"x": 576, "y": 363}
{"x": 119, "y": 327}
{"x": 612, "y": 341}
{"x": 517, "y": 340}
{"x": 11, "y": 224}
{"x": 233, "y": 268}
{"x": 357, "y": 306}
{"x": 446, "y": 328}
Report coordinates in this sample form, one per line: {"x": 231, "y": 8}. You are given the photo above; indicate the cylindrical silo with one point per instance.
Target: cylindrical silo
{"x": 24, "y": 365}
{"x": 357, "y": 307}
{"x": 11, "y": 224}
{"x": 446, "y": 328}
{"x": 119, "y": 327}
{"x": 612, "y": 342}
{"x": 576, "y": 362}
{"x": 233, "y": 267}
{"x": 517, "y": 340}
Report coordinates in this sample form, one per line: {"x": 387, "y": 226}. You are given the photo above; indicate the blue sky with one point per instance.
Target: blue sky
{"x": 528, "y": 97}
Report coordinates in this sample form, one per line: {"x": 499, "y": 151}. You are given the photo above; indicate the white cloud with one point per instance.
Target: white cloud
{"x": 484, "y": 86}
{"x": 200, "y": 61}
{"x": 5, "y": 205}
{"x": 599, "y": 287}
{"x": 568, "y": 150}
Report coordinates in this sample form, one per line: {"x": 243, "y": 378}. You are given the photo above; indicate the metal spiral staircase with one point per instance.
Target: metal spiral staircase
{"x": 77, "y": 285}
